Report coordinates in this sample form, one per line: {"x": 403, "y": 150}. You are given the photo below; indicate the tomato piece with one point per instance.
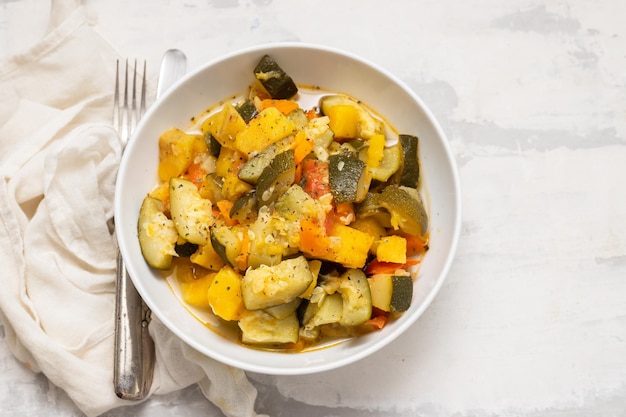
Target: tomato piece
{"x": 315, "y": 176}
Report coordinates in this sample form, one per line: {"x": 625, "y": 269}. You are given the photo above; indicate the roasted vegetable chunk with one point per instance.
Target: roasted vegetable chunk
{"x": 274, "y": 79}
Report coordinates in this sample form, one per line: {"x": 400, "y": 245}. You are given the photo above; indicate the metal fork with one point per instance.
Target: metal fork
{"x": 134, "y": 348}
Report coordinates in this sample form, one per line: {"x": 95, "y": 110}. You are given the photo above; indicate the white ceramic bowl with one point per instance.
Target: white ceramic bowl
{"x": 332, "y": 70}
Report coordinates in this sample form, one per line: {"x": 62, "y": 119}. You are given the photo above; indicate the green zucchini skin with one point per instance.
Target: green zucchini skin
{"x": 276, "y": 178}
{"x": 185, "y": 250}
{"x": 225, "y": 242}
{"x": 410, "y": 161}
{"x": 402, "y": 294}
{"x": 345, "y": 176}
{"x": 214, "y": 146}
{"x": 406, "y": 207}
{"x": 157, "y": 247}
{"x": 247, "y": 110}
{"x": 276, "y": 81}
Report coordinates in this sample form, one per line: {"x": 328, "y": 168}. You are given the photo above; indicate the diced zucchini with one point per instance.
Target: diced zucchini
{"x": 157, "y": 234}
{"x": 226, "y": 241}
{"x": 299, "y": 119}
{"x": 370, "y": 207}
{"x": 295, "y": 204}
{"x": 268, "y": 243}
{"x": 329, "y": 310}
{"x": 268, "y": 286}
{"x": 391, "y": 293}
{"x": 314, "y": 265}
{"x": 389, "y": 164}
{"x": 275, "y": 80}
{"x": 253, "y": 168}
{"x": 260, "y": 328}
{"x": 276, "y": 178}
{"x": 348, "y": 178}
{"x": 283, "y": 310}
{"x": 410, "y": 164}
{"x": 244, "y": 208}
{"x": 211, "y": 187}
{"x": 247, "y": 110}
{"x": 406, "y": 208}
{"x": 185, "y": 249}
{"x": 192, "y": 214}
{"x": 212, "y": 144}
{"x": 357, "y": 299}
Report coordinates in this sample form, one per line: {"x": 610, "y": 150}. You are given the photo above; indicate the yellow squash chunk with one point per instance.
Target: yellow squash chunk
{"x": 229, "y": 162}
{"x": 195, "y": 292}
{"x": 233, "y": 188}
{"x": 368, "y": 125}
{"x": 344, "y": 121}
{"x": 176, "y": 149}
{"x": 392, "y": 248}
{"x": 224, "y": 294}
{"x": 269, "y": 126}
{"x": 375, "y": 151}
{"x": 225, "y": 125}
{"x": 207, "y": 257}
{"x": 161, "y": 192}
{"x": 349, "y": 246}
{"x": 372, "y": 227}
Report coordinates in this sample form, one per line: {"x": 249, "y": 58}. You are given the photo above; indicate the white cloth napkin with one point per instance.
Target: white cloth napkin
{"x": 58, "y": 162}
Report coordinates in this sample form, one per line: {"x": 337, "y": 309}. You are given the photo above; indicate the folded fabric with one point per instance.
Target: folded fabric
{"x": 58, "y": 162}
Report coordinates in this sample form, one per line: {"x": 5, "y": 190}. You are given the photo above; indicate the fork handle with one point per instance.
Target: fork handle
{"x": 134, "y": 353}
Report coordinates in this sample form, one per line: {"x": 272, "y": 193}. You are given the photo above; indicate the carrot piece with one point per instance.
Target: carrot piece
{"x": 303, "y": 149}
{"x": 225, "y": 206}
{"x": 311, "y": 114}
{"x": 284, "y": 106}
{"x": 315, "y": 175}
{"x": 415, "y": 245}
{"x": 378, "y": 267}
{"x": 195, "y": 173}
{"x": 313, "y": 238}
{"x": 377, "y": 322}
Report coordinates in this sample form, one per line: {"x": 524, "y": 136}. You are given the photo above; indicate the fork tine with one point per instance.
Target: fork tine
{"x": 125, "y": 125}
{"x": 116, "y": 97}
{"x": 142, "y": 105}
{"x": 133, "y": 105}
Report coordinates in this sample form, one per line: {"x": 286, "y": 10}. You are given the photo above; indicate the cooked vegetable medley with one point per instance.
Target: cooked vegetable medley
{"x": 297, "y": 224}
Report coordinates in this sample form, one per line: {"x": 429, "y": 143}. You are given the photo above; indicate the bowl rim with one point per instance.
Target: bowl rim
{"x": 441, "y": 274}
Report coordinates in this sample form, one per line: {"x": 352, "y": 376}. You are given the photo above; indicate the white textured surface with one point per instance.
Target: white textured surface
{"x": 532, "y": 95}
